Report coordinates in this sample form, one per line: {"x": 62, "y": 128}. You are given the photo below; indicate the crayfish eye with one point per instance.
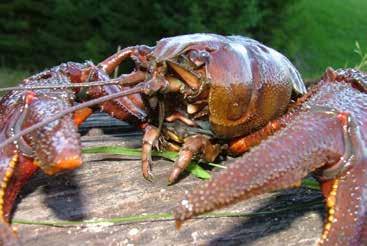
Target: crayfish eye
{"x": 199, "y": 58}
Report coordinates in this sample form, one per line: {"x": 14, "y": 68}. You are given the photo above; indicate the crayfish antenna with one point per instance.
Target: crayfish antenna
{"x": 123, "y": 80}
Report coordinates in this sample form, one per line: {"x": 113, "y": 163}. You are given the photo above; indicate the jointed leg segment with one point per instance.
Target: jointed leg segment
{"x": 197, "y": 144}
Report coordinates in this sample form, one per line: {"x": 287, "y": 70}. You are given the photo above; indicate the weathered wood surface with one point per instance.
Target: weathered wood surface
{"x": 112, "y": 186}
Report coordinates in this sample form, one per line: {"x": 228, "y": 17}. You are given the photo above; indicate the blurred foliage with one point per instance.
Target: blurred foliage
{"x": 313, "y": 34}
{"x": 38, "y": 34}
{"x": 9, "y": 77}
{"x": 318, "y": 34}
{"x": 363, "y": 56}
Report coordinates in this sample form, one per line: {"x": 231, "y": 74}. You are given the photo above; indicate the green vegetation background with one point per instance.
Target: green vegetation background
{"x": 38, "y": 34}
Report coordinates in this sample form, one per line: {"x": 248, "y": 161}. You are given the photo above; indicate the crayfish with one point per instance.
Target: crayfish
{"x": 202, "y": 95}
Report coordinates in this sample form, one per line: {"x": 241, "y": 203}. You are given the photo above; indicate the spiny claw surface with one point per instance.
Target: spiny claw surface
{"x": 326, "y": 133}
{"x": 54, "y": 147}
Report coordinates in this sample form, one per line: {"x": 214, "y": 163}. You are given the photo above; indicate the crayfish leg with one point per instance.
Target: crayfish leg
{"x": 110, "y": 63}
{"x": 151, "y": 135}
{"x": 197, "y": 144}
{"x": 139, "y": 53}
{"x": 242, "y": 144}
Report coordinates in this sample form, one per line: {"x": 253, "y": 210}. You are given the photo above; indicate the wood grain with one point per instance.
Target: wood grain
{"x": 112, "y": 186}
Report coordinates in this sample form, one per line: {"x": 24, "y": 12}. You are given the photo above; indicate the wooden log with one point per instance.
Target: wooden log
{"x": 112, "y": 186}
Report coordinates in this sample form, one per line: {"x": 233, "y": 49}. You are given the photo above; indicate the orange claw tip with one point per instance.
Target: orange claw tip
{"x": 69, "y": 163}
{"x": 180, "y": 214}
{"x": 178, "y": 224}
{"x": 81, "y": 115}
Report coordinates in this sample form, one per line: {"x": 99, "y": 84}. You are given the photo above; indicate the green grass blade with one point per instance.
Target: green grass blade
{"x": 112, "y": 150}
{"x": 194, "y": 168}
{"x": 311, "y": 184}
{"x": 314, "y": 204}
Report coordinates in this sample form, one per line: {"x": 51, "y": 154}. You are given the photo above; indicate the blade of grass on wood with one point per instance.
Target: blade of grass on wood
{"x": 314, "y": 204}
{"x": 194, "y": 168}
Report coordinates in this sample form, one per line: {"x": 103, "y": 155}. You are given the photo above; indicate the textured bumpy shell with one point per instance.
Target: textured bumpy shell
{"x": 279, "y": 162}
{"x": 250, "y": 83}
{"x": 57, "y": 141}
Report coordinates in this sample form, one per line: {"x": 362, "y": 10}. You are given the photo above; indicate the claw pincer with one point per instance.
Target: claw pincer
{"x": 55, "y": 146}
{"x": 52, "y": 148}
{"x": 330, "y": 124}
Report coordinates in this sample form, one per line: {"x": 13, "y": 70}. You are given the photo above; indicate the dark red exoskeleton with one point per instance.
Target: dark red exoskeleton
{"x": 210, "y": 89}
{"x": 324, "y": 132}
{"x": 199, "y": 94}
